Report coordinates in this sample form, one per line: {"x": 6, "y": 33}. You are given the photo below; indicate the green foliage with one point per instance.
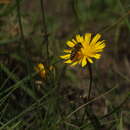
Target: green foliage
{"x": 59, "y": 102}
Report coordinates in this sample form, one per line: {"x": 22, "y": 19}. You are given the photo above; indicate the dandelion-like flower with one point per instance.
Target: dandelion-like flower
{"x": 40, "y": 69}
{"x": 83, "y": 49}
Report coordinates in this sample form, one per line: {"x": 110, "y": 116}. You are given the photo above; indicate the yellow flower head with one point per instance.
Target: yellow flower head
{"x": 82, "y": 49}
{"x": 40, "y": 69}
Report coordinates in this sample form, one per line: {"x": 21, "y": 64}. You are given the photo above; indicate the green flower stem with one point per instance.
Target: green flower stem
{"x": 92, "y": 117}
{"x": 91, "y": 79}
{"x": 45, "y": 35}
{"x": 23, "y": 41}
{"x": 19, "y": 19}
{"x": 74, "y": 5}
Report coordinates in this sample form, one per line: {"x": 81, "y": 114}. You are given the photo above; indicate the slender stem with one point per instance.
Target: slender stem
{"x": 115, "y": 23}
{"x": 91, "y": 79}
{"x": 89, "y": 92}
{"x": 19, "y": 19}
{"x": 92, "y": 117}
{"x": 45, "y": 36}
{"x": 116, "y": 108}
{"x": 75, "y": 9}
{"x": 56, "y": 62}
{"x": 22, "y": 40}
{"x": 43, "y": 17}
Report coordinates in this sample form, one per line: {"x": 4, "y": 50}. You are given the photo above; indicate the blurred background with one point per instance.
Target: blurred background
{"x": 31, "y": 29}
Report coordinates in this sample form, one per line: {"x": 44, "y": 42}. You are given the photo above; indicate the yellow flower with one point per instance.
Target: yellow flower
{"x": 40, "y": 69}
{"x": 83, "y": 49}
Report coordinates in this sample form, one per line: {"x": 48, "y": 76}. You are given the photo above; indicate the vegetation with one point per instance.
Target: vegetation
{"x": 38, "y": 91}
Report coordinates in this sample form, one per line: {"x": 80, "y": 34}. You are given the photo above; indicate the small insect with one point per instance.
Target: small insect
{"x": 75, "y": 49}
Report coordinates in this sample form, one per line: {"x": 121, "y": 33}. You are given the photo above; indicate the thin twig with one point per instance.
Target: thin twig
{"x": 45, "y": 36}
{"x": 117, "y": 108}
{"x": 89, "y": 102}
{"x": 72, "y": 125}
{"x": 115, "y": 23}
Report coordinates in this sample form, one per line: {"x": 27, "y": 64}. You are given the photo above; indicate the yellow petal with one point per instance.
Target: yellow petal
{"x": 74, "y": 63}
{"x": 65, "y": 56}
{"x": 98, "y": 50}
{"x": 80, "y": 61}
{"x": 87, "y": 38}
{"x": 97, "y": 56}
{"x": 89, "y": 60}
{"x": 41, "y": 70}
{"x": 74, "y": 41}
{"x": 100, "y": 44}
{"x": 85, "y": 45}
{"x": 70, "y": 44}
{"x": 68, "y": 61}
{"x": 79, "y": 38}
{"x": 84, "y": 61}
{"x": 67, "y": 51}
{"x": 95, "y": 39}
{"x": 40, "y": 67}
